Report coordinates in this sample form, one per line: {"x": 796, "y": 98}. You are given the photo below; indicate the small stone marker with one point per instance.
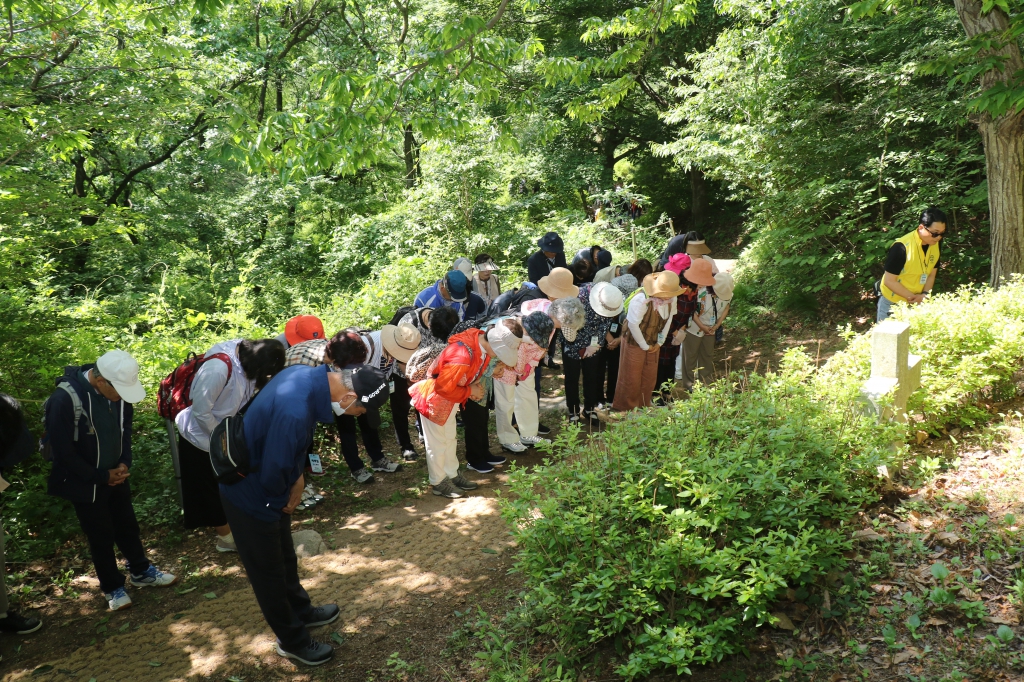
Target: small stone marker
{"x": 894, "y": 371}
{"x": 307, "y": 543}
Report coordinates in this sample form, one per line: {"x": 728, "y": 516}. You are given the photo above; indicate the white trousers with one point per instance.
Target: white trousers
{"x": 441, "y": 443}
{"x": 520, "y": 399}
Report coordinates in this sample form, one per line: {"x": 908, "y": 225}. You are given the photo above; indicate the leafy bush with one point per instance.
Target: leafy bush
{"x": 671, "y": 535}
{"x": 971, "y": 343}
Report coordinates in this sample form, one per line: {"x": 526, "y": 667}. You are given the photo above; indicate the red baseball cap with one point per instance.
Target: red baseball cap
{"x": 303, "y": 328}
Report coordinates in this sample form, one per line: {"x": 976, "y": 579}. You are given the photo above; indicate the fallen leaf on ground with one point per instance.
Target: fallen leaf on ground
{"x": 935, "y": 621}
{"x": 904, "y": 527}
{"x": 210, "y": 595}
{"x": 882, "y": 589}
{"x": 969, "y": 594}
{"x": 867, "y": 534}
{"x": 1001, "y": 620}
{"x": 948, "y": 539}
{"x": 902, "y": 657}
{"x": 922, "y": 436}
{"x": 783, "y": 622}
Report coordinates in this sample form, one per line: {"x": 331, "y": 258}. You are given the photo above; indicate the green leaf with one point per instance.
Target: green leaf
{"x": 210, "y": 595}
{"x": 939, "y": 571}
{"x": 46, "y": 667}
{"x": 488, "y": 550}
{"x": 155, "y": 664}
{"x": 186, "y": 590}
{"x": 338, "y": 639}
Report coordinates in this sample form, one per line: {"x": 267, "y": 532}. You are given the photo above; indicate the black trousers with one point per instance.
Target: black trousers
{"x": 611, "y": 363}
{"x": 108, "y": 521}
{"x": 400, "y": 402}
{"x": 200, "y": 494}
{"x": 350, "y": 447}
{"x": 474, "y": 424}
{"x": 592, "y": 370}
{"x": 268, "y": 555}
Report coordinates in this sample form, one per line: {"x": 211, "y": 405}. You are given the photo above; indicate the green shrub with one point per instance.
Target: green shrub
{"x": 672, "y": 534}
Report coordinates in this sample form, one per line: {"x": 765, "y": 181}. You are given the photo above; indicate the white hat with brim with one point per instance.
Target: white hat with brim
{"x": 486, "y": 265}
{"x": 122, "y": 372}
{"x": 558, "y": 284}
{"x": 606, "y": 299}
{"x": 724, "y": 286}
{"x": 401, "y": 340}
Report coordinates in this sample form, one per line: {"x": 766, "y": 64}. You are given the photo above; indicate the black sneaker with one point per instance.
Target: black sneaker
{"x": 313, "y": 653}
{"x": 495, "y": 460}
{"x": 322, "y": 615}
{"x": 18, "y": 624}
{"x": 543, "y": 430}
{"x": 409, "y": 455}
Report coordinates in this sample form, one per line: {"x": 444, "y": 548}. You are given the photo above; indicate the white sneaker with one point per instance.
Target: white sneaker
{"x": 118, "y": 599}
{"x": 513, "y": 447}
{"x": 533, "y": 440}
{"x": 225, "y": 546}
{"x": 153, "y": 577}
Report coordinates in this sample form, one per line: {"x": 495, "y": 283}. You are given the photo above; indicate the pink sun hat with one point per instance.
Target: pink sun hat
{"x": 678, "y": 263}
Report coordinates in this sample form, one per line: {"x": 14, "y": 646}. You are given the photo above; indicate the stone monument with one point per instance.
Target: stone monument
{"x": 895, "y": 372}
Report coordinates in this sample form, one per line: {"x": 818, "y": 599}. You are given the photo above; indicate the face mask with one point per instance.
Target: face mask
{"x": 338, "y": 409}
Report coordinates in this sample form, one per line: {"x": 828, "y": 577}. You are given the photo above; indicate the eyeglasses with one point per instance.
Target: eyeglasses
{"x": 937, "y": 235}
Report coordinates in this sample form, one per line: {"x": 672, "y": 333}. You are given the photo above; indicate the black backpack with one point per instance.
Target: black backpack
{"x": 229, "y": 453}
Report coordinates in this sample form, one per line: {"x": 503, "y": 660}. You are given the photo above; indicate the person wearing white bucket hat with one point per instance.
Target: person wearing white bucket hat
{"x": 713, "y": 301}
{"x": 602, "y": 304}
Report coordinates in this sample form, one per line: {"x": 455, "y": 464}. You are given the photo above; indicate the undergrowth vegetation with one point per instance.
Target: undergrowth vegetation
{"x": 671, "y": 536}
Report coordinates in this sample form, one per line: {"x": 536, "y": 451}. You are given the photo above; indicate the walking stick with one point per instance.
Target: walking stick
{"x": 175, "y": 459}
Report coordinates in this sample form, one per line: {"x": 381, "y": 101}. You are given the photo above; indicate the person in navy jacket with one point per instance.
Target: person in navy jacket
{"x": 278, "y": 428}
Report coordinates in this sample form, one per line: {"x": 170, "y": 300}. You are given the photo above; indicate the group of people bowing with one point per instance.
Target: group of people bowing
{"x": 463, "y": 348}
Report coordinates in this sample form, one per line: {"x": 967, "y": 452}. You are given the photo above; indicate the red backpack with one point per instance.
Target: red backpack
{"x": 176, "y": 388}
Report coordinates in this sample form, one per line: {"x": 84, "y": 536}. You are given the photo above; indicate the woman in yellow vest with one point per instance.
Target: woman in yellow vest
{"x": 912, "y": 262}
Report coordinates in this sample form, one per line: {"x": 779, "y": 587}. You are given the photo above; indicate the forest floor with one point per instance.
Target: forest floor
{"x": 412, "y": 572}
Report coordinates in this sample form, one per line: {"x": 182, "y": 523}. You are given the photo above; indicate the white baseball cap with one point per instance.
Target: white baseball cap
{"x": 121, "y": 370}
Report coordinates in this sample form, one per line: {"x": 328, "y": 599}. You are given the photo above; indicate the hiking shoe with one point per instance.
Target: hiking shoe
{"x": 513, "y": 447}
{"x": 363, "y": 476}
{"x": 225, "y": 546}
{"x": 574, "y": 418}
{"x": 446, "y": 489}
{"x": 322, "y": 615}
{"x": 410, "y": 455}
{"x": 313, "y": 493}
{"x": 480, "y": 468}
{"x": 543, "y": 430}
{"x": 533, "y": 440}
{"x": 154, "y": 577}
{"x": 495, "y": 460}
{"x": 461, "y": 481}
{"x": 118, "y": 599}
{"x": 17, "y": 624}
{"x": 386, "y": 465}
{"x": 313, "y": 653}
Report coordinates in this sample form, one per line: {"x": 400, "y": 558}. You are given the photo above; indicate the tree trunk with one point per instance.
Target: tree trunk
{"x": 1003, "y": 137}
{"x": 411, "y": 153}
{"x": 698, "y": 200}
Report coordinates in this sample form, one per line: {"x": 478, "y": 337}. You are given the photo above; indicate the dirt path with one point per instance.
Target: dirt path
{"x": 432, "y": 546}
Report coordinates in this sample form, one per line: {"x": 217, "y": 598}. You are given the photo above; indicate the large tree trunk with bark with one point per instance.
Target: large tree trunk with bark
{"x": 1003, "y": 137}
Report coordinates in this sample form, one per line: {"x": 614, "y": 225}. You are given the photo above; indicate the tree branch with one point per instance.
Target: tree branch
{"x": 60, "y": 59}
{"x": 156, "y": 161}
